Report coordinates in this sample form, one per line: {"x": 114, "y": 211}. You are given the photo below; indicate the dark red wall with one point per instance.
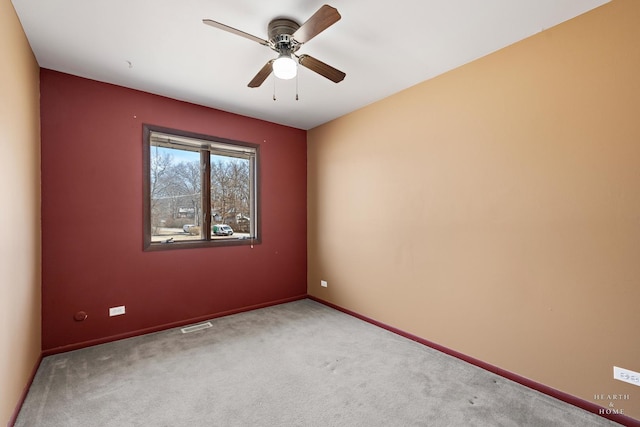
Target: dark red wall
{"x": 92, "y": 217}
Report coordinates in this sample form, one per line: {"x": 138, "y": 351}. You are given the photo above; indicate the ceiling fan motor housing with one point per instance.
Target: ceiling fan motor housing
{"x": 280, "y": 32}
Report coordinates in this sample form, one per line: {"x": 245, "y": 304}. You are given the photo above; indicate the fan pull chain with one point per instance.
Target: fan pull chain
{"x": 274, "y": 88}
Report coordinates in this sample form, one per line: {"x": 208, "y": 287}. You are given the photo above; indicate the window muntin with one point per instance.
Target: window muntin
{"x": 199, "y": 190}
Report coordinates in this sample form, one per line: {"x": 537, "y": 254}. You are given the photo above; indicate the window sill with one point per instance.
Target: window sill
{"x": 162, "y": 246}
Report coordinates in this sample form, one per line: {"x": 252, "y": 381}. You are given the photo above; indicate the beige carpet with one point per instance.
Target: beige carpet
{"x": 295, "y": 364}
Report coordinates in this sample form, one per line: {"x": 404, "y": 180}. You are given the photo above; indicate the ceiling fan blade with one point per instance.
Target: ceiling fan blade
{"x": 321, "y": 68}
{"x": 235, "y": 31}
{"x": 262, "y": 75}
{"x": 324, "y": 17}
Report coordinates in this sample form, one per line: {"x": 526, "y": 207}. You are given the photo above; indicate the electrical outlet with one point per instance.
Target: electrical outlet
{"x": 626, "y": 375}
{"x": 116, "y": 311}
{"x": 323, "y": 283}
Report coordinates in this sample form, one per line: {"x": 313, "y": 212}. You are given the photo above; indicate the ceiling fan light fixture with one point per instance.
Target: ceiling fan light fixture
{"x": 285, "y": 67}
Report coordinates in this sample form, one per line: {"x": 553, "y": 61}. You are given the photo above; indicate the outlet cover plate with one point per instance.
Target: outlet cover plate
{"x": 116, "y": 311}
{"x": 626, "y": 375}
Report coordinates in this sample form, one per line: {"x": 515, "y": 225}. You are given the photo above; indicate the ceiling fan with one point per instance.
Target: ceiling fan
{"x": 286, "y": 36}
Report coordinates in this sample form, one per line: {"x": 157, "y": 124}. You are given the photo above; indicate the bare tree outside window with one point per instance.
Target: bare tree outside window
{"x": 230, "y": 195}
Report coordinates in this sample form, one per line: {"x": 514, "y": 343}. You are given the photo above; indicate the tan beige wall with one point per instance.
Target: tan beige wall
{"x": 19, "y": 211}
{"x": 495, "y": 210}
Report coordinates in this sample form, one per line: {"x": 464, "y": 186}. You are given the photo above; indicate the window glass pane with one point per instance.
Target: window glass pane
{"x": 176, "y": 198}
{"x": 231, "y": 196}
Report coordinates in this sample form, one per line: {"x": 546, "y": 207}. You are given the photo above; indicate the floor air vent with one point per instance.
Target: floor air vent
{"x": 197, "y": 327}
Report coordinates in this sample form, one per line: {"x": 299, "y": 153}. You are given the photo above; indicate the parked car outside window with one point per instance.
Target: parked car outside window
{"x": 222, "y": 230}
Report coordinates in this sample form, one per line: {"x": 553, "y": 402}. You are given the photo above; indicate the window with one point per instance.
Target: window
{"x": 199, "y": 190}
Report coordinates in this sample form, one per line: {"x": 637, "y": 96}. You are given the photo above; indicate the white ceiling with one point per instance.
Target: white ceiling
{"x": 162, "y": 47}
